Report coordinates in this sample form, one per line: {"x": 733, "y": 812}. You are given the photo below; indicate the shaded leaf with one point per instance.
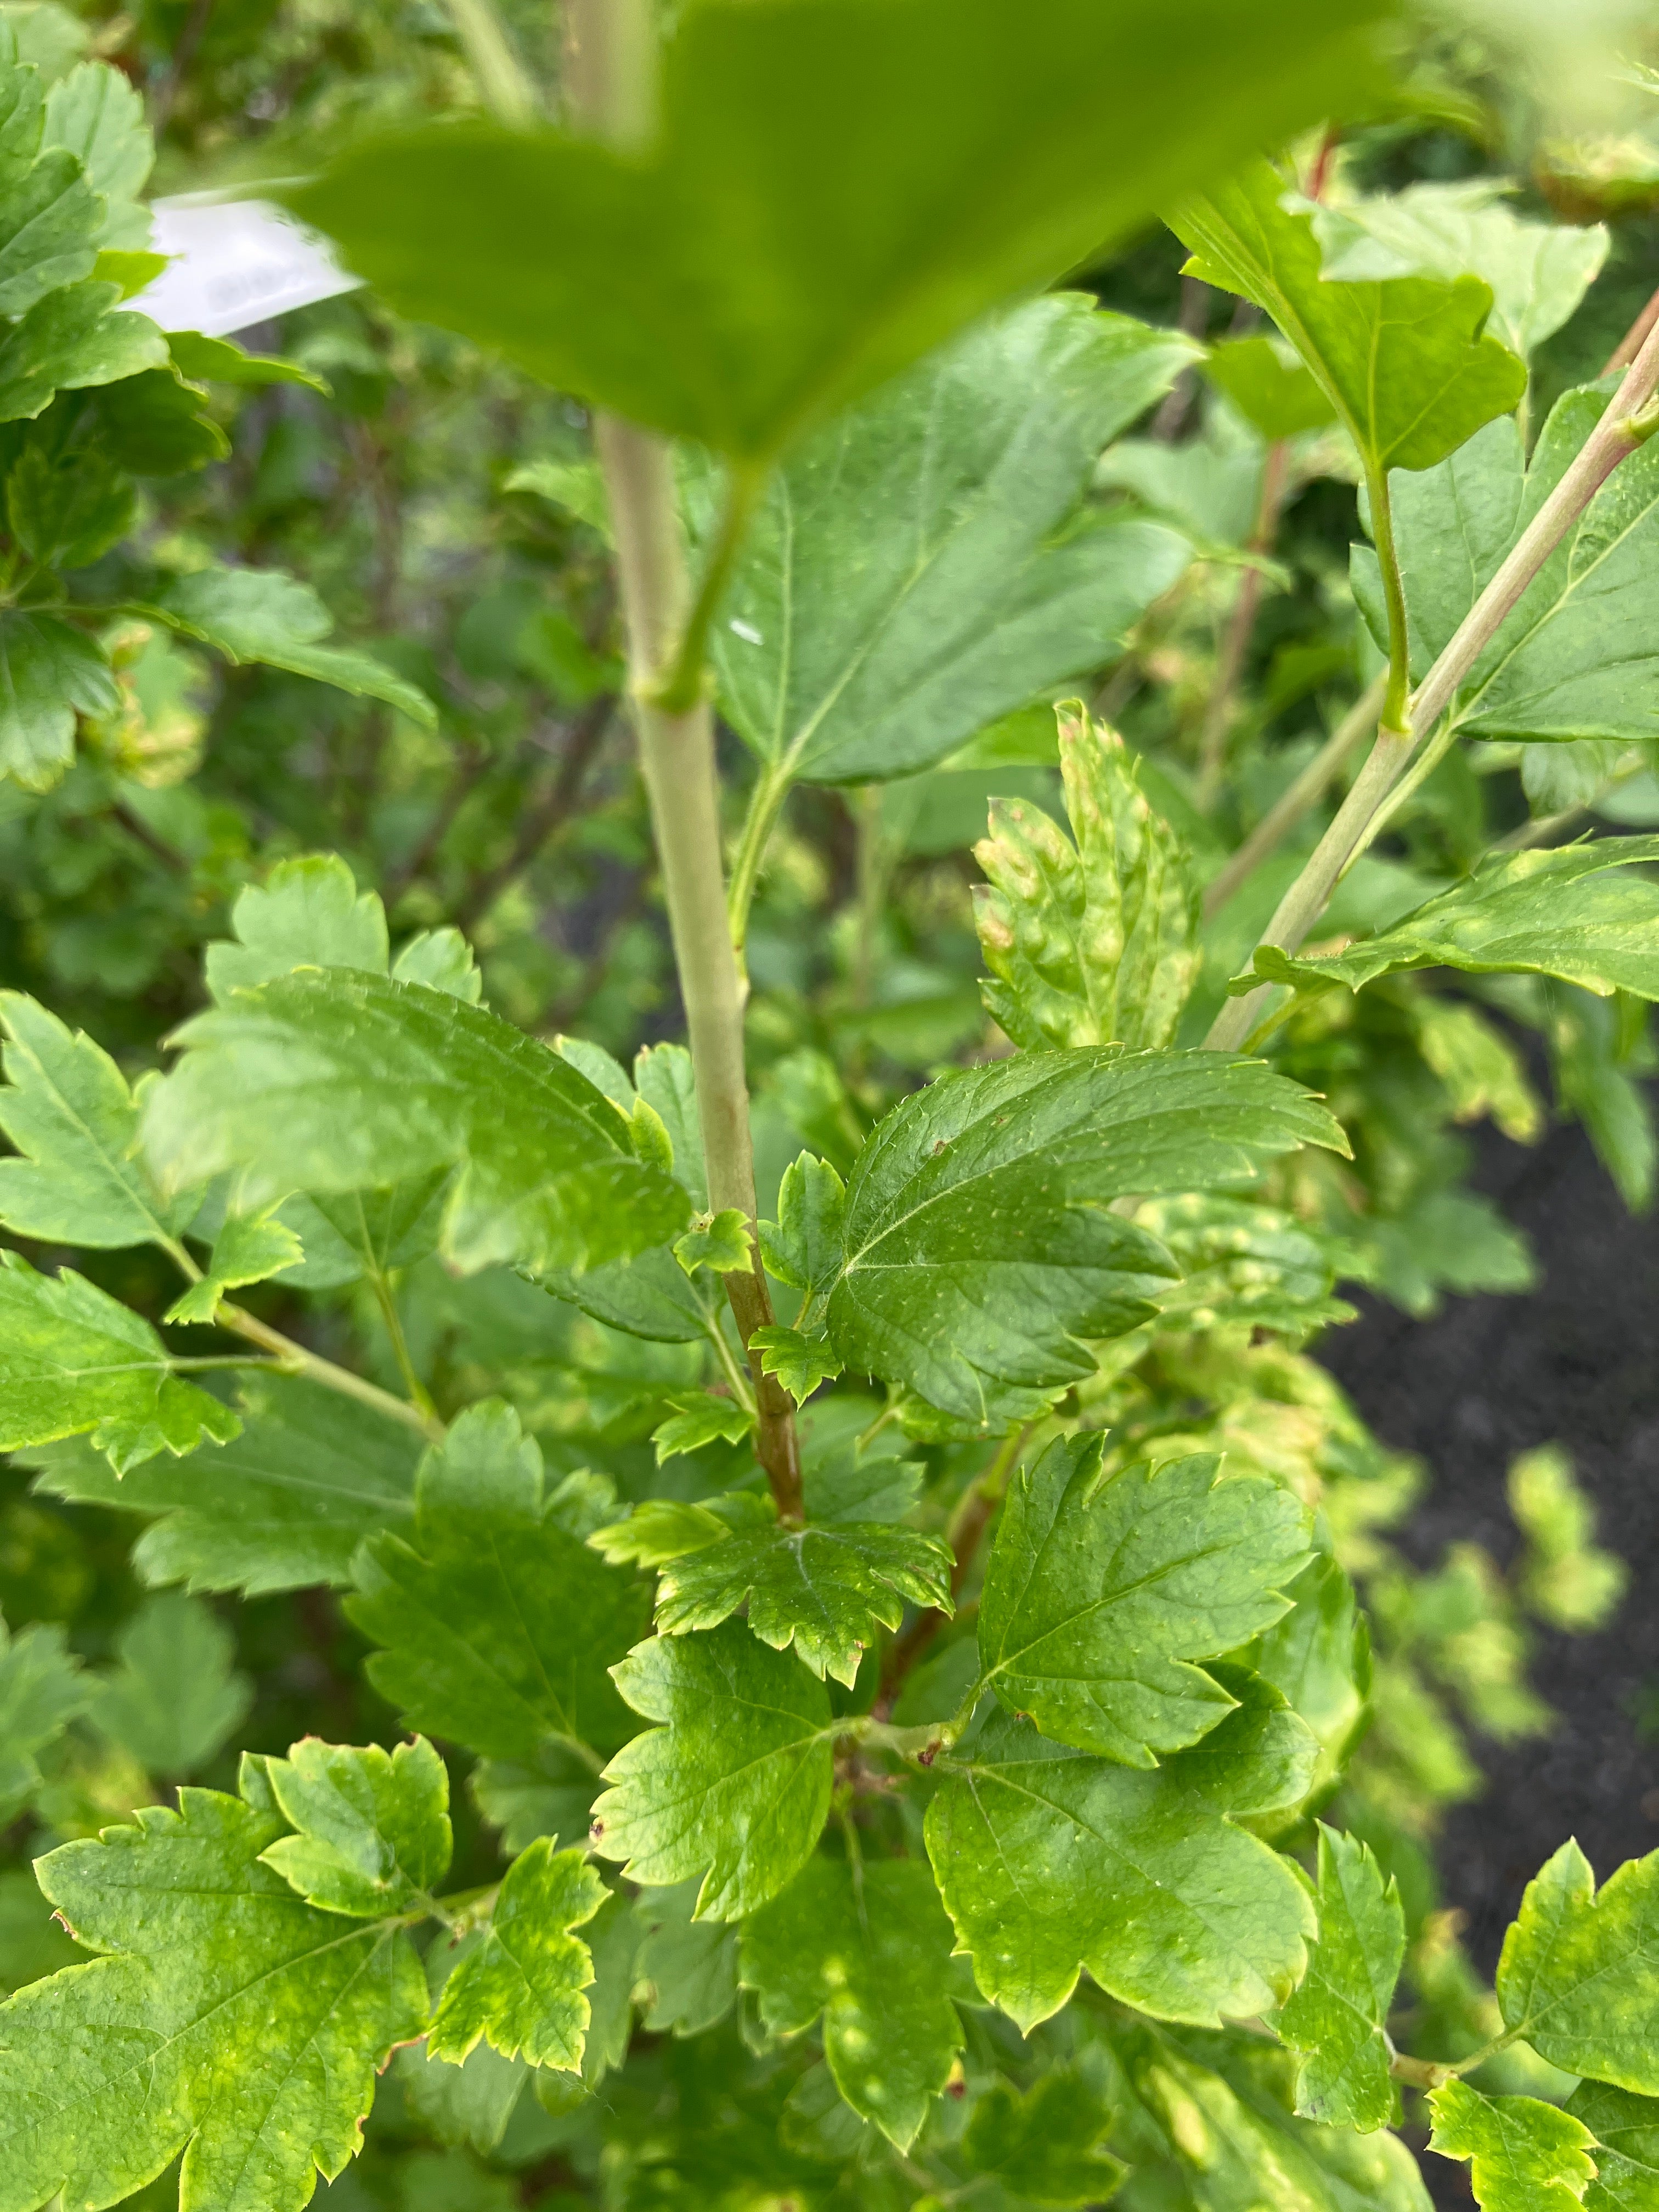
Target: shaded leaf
{"x": 175, "y": 1698}
{"x": 496, "y": 1625}
{"x": 689, "y": 1965}
{"x": 869, "y": 1948}
{"x": 42, "y": 1688}
{"x": 284, "y": 1503}
{"x": 1046, "y": 2147}
{"x": 49, "y": 672}
{"x": 1626, "y": 2153}
{"x": 654, "y": 291}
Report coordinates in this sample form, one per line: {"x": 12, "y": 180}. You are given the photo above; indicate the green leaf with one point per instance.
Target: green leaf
{"x": 1272, "y": 390}
{"x": 1524, "y": 2156}
{"x": 522, "y": 1987}
{"x": 497, "y": 1626}
{"x": 1095, "y": 944}
{"x": 69, "y": 340}
{"x": 265, "y": 616}
{"x": 549, "y": 1795}
{"x": 802, "y": 1247}
{"x": 662, "y": 1528}
{"x": 308, "y": 913}
{"x": 1318, "y": 1657}
{"x": 734, "y": 1786}
{"x": 1576, "y": 658}
{"x": 1337, "y": 2020}
{"x": 229, "y": 2020}
{"x": 218, "y": 361}
{"x": 1050, "y": 1860}
{"x": 869, "y": 1948}
{"x": 1538, "y": 271}
{"x": 1627, "y": 2132}
{"x": 283, "y": 1504}
{"x": 49, "y": 222}
{"x": 467, "y": 2106}
{"x": 1102, "y": 1590}
{"x": 175, "y": 1698}
{"x": 1405, "y": 363}
{"x": 1046, "y": 2147}
{"x": 32, "y": 1944}
{"x": 1563, "y": 1578}
{"x": 248, "y": 1248}
{"x": 42, "y": 1689}
{"x": 331, "y": 1082}
{"x": 689, "y": 1966}
{"x": 372, "y": 1826}
{"x": 68, "y": 1110}
{"x": 800, "y": 1362}
{"x": 1221, "y": 2107}
{"x": 442, "y": 959}
{"x": 926, "y": 563}
{"x": 717, "y": 1242}
{"x": 98, "y": 117}
{"x": 654, "y": 291}
{"x": 73, "y": 1361}
{"x": 1244, "y": 1263}
{"x": 825, "y": 1590}
{"x": 158, "y": 424}
{"x": 49, "y": 672}
{"x": 980, "y": 1249}
{"x": 1564, "y": 913}
{"x": 700, "y": 1418}
{"x": 1579, "y": 1974}
{"x": 66, "y": 512}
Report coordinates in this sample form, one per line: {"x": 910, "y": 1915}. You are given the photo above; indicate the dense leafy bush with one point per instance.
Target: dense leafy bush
{"x": 812, "y": 1632}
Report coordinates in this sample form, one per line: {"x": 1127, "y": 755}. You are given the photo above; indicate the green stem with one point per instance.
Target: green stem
{"x": 418, "y": 1395}
{"x": 1396, "y": 698}
{"x": 296, "y": 1360}
{"x": 238, "y": 1360}
{"x": 1294, "y": 802}
{"x": 771, "y": 787}
{"x": 737, "y": 1375}
{"x": 1409, "y": 784}
{"x": 503, "y": 81}
{"x": 687, "y": 678}
{"x": 1304, "y": 902}
{"x": 612, "y": 81}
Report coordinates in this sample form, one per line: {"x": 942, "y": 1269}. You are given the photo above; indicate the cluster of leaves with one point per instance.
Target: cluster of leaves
{"x": 1018, "y": 1809}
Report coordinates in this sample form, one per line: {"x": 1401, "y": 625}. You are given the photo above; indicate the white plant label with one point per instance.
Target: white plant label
{"x": 237, "y": 263}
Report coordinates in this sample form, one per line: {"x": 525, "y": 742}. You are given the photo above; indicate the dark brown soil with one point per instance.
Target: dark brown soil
{"x": 1576, "y": 1363}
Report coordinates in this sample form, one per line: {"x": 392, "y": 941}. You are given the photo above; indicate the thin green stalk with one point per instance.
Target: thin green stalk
{"x": 737, "y": 1375}
{"x": 687, "y": 679}
{"x": 241, "y": 1361}
{"x": 1294, "y": 802}
{"x": 772, "y": 786}
{"x": 417, "y": 1393}
{"x": 1397, "y": 716}
{"x": 505, "y": 83}
{"x": 612, "y": 79}
{"x": 1631, "y": 419}
{"x": 1409, "y": 784}
{"x": 296, "y": 1360}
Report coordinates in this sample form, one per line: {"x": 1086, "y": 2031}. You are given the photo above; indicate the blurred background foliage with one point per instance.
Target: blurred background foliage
{"x": 444, "y": 508}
